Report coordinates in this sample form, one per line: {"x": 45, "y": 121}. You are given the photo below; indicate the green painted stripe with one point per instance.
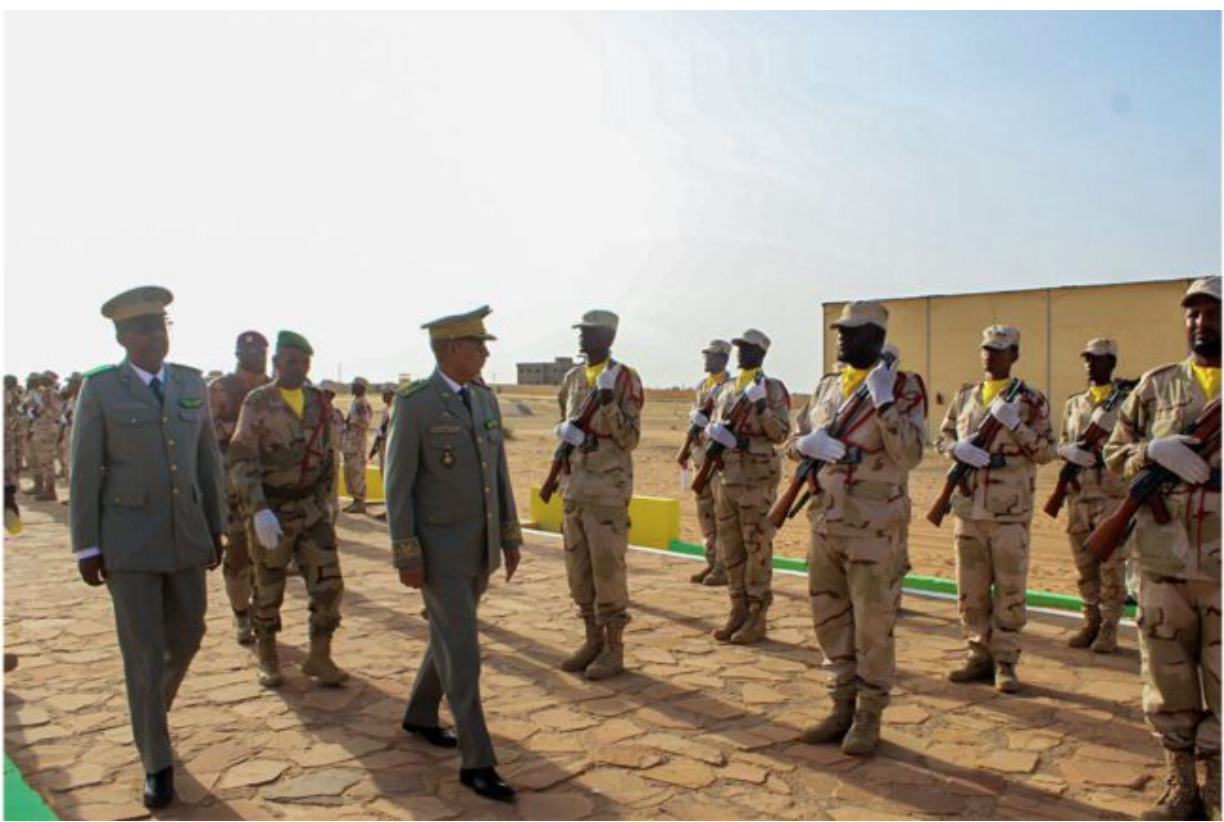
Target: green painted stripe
{"x": 917, "y": 582}
{"x": 20, "y": 800}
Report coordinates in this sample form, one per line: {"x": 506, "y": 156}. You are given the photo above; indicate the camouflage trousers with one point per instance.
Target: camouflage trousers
{"x": 855, "y": 589}
{"x": 707, "y": 517}
{"x": 745, "y": 540}
{"x": 596, "y": 544}
{"x": 1179, "y": 642}
{"x": 236, "y": 566}
{"x": 990, "y": 553}
{"x": 1101, "y": 585}
{"x": 355, "y": 475}
{"x": 43, "y": 450}
{"x": 64, "y": 448}
{"x": 310, "y": 542}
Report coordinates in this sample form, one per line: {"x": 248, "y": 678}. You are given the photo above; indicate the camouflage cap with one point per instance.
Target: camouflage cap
{"x": 1100, "y": 347}
{"x": 253, "y": 339}
{"x": 469, "y": 326}
{"x": 1001, "y": 337}
{"x": 292, "y": 339}
{"x": 752, "y": 337}
{"x": 717, "y": 347}
{"x": 598, "y": 319}
{"x": 1205, "y": 286}
{"x": 137, "y": 302}
{"x": 863, "y": 312}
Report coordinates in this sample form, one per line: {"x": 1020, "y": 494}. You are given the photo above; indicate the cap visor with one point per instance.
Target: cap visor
{"x": 850, "y": 323}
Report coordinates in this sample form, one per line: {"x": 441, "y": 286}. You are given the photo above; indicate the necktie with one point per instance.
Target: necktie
{"x": 466, "y": 396}
{"x": 156, "y": 387}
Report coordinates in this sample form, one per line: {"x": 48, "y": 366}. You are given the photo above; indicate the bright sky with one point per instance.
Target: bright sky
{"x": 351, "y": 176}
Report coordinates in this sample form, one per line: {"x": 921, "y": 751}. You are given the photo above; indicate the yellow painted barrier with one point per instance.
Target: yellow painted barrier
{"x": 374, "y": 485}
{"x": 655, "y": 521}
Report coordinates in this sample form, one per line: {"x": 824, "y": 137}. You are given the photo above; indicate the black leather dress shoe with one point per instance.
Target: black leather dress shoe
{"x": 438, "y": 737}
{"x": 486, "y": 783}
{"x": 159, "y": 788}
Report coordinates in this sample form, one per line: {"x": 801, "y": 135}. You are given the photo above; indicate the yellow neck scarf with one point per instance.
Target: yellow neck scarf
{"x": 852, "y": 378}
{"x": 745, "y": 377}
{"x": 295, "y": 398}
{"x": 1100, "y": 392}
{"x": 992, "y": 389}
{"x": 712, "y": 380}
{"x": 1208, "y": 379}
{"x": 593, "y": 371}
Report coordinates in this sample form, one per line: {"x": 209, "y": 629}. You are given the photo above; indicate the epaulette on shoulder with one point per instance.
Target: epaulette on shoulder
{"x": 1159, "y": 370}
{"x": 101, "y": 369}
{"x": 411, "y": 388}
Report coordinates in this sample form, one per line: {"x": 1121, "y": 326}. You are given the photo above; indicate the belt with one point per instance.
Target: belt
{"x": 287, "y": 494}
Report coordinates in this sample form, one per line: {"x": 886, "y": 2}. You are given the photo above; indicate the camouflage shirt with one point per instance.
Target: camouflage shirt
{"x": 225, "y": 396}
{"x": 356, "y": 426}
{"x": 701, "y": 393}
{"x": 601, "y": 470}
{"x": 764, "y": 431}
{"x": 1094, "y": 483}
{"x": 47, "y": 409}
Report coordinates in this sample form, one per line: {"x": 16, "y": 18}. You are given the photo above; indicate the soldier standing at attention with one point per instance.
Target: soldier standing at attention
{"x": 751, "y": 468}
{"x": 596, "y": 493}
{"x": 44, "y": 437}
{"x": 452, "y": 517}
{"x": 337, "y": 436}
{"x": 147, "y": 514}
{"x": 1179, "y": 562}
{"x": 384, "y": 426}
{"x": 68, "y": 398}
{"x": 12, "y": 430}
{"x": 992, "y": 523}
{"x": 716, "y": 355}
{"x": 1098, "y": 494}
{"x": 356, "y": 426}
{"x": 225, "y": 396}
{"x": 281, "y": 466}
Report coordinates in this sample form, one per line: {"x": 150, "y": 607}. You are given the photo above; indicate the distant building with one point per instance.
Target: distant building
{"x": 544, "y": 373}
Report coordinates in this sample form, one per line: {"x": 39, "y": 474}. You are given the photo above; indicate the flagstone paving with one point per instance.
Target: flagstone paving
{"x": 694, "y": 730}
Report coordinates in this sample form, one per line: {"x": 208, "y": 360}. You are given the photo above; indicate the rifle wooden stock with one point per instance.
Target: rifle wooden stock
{"x": 1147, "y": 488}
{"x": 714, "y": 451}
{"x": 1093, "y": 438}
{"x": 694, "y": 432}
{"x": 560, "y": 460}
{"x": 781, "y": 511}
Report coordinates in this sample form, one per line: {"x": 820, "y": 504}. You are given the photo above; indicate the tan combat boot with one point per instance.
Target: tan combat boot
{"x": 1106, "y": 641}
{"x": 717, "y": 577}
{"x": 753, "y": 629}
{"x": 586, "y": 653}
{"x": 46, "y": 493}
{"x": 1006, "y": 681}
{"x": 833, "y": 727}
{"x": 611, "y": 659}
{"x": 357, "y": 506}
{"x": 700, "y": 576}
{"x": 243, "y": 632}
{"x": 735, "y": 620}
{"x": 269, "y": 662}
{"x": 975, "y": 669}
{"x": 1180, "y": 799}
{"x": 320, "y": 665}
{"x": 864, "y": 734}
{"x": 1087, "y": 634}
{"x": 1211, "y": 788}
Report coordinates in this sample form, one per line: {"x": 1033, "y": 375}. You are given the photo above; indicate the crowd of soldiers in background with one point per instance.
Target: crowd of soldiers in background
{"x": 38, "y": 427}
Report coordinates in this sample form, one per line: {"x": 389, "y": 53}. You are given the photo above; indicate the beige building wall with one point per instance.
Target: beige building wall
{"x": 939, "y": 336}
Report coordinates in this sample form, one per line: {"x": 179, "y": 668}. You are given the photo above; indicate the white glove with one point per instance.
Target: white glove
{"x": 755, "y": 391}
{"x": 1175, "y": 454}
{"x": 721, "y": 434}
{"x": 1073, "y": 453}
{"x": 1007, "y": 413}
{"x": 570, "y": 433}
{"x": 820, "y": 446}
{"x": 606, "y": 380}
{"x": 699, "y": 419}
{"x": 267, "y": 529}
{"x": 880, "y": 382}
{"x": 1104, "y": 419}
{"x": 968, "y": 453}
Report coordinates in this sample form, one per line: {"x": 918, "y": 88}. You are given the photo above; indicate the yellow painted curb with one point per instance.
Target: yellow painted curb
{"x": 654, "y": 521}
{"x": 374, "y": 484}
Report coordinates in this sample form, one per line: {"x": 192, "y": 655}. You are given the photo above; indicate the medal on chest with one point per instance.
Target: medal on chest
{"x": 448, "y": 457}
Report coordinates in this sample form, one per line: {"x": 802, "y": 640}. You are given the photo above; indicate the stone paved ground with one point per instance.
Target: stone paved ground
{"x": 695, "y": 731}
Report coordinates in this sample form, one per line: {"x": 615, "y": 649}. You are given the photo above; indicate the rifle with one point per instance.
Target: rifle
{"x": 380, "y": 438}
{"x": 714, "y": 451}
{"x": 1148, "y": 488}
{"x": 694, "y": 432}
{"x": 807, "y": 473}
{"x": 560, "y": 461}
{"x": 958, "y": 474}
{"x": 1091, "y": 440}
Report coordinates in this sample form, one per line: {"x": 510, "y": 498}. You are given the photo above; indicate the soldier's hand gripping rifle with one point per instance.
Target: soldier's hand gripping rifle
{"x": 1149, "y": 485}
{"x": 694, "y": 432}
{"x": 807, "y": 473}
{"x": 714, "y": 450}
{"x": 1091, "y": 441}
{"x": 958, "y": 474}
{"x": 380, "y": 438}
{"x": 560, "y": 461}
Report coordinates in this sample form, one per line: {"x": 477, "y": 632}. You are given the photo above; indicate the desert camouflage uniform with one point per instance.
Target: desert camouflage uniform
{"x": 1179, "y": 593}
{"x": 12, "y": 429}
{"x": 992, "y": 523}
{"x": 747, "y": 489}
{"x": 707, "y": 515}
{"x": 353, "y": 444}
{"x": 44, "y": 442}
{"x": 596, "y": 494}
{"x": 225, "y": 396}
{"x": 68, "y": 404}
{"x": 337, "y": 436}
{"x": 1102, "y": 586}
{"x": 285, "y": 464}
{"x": 857, "y": 558}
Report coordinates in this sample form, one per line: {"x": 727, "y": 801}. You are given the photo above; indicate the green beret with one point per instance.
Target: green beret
{"x": 291, "y": 339}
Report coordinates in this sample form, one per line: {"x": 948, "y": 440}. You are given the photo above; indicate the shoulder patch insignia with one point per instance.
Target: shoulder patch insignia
{"x": 190, "y": 402}
{"x": 491, "y": 424}
{"x": 101, "y": 369}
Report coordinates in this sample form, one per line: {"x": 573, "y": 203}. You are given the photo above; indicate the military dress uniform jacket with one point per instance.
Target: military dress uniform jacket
{"x": 450, "y": 505}
{"x": 601, "y": 470}
{"x": 867, "y": 493}
{"x": 147, "y": 481}
{"x": 1165, "y": 402}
